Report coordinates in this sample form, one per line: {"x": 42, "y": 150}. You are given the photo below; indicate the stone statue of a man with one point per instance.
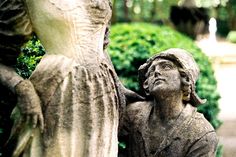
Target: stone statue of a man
{"x": 169, "y": 125}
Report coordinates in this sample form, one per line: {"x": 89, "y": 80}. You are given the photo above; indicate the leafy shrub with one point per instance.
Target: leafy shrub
{"x": 31, "y": 54}
{"x": 132, "y": 44}
{"x": 232, "y": 36}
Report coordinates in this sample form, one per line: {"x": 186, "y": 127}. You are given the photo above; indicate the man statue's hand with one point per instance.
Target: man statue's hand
{"x": 131, "y": 96}
{"x": 28, "y": 103}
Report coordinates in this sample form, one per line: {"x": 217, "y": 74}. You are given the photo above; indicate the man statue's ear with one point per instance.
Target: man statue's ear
{"x": 186, "y": 85}
{"x": 184, "y": 75}
{"x": 145, "y": 87}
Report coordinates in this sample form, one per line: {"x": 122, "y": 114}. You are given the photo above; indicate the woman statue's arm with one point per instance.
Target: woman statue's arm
{"x": 15, "y": 30}
{"x": 129, "y": 95}
{"x": 28, "y": 101}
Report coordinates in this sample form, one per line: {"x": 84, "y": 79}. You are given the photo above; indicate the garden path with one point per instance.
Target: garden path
{"x": 223, "y": 57}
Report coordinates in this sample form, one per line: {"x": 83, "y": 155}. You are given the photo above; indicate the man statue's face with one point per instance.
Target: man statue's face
{"x": 163, "y": 76}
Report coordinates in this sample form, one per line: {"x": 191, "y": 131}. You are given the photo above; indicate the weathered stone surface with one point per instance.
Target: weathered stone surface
{"x": 78, "y": 89}
{"x": 168, "y": 124}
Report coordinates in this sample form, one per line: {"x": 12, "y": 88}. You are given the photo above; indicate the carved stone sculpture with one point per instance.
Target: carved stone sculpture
{"x": 70, "y": 104}
{"x": 168, "y": 124}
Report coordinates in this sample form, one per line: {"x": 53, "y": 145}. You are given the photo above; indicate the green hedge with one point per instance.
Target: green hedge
{"x": 31, "y": 54}
{"x": 232, "y": 36}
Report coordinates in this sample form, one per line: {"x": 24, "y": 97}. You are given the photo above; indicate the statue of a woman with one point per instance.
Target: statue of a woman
{"x": 74, "y": 89}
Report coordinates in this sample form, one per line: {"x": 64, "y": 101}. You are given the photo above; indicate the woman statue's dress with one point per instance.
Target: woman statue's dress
{"x": 74, "y": 80}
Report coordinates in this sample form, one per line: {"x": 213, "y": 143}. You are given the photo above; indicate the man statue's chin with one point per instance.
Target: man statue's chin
{"x": 158, "y": 90}
{"x": 163, "y": 91}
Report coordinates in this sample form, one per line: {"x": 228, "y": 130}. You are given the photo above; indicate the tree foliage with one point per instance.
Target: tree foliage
{"x": 225, "y": 14}
{"x": 159, "y": 10}
{"x": 141, "y": 10}
{"x": 232, "y": 36}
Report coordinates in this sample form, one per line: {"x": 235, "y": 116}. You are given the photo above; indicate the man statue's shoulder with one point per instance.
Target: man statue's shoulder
{"x": 138, "y": 111}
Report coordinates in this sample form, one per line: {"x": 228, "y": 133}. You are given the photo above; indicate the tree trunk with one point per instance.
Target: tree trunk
{"x": 114, "y": 18}
{"x": 154, "y": 11}
{"x": 126, "y": 11}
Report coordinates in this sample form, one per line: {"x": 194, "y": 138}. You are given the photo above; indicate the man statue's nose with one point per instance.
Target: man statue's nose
{"x": 157, "y": 73}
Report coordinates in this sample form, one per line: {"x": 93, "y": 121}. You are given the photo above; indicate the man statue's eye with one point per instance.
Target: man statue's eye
{"x": 167, "y": 66}
{"x": 151, "y": 71}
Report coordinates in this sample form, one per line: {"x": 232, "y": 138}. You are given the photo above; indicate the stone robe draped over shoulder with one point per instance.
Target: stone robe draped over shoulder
{"x": 78, "y": 88}
{"x": 190, "y": 136}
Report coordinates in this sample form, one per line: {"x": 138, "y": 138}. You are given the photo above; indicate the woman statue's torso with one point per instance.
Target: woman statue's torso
{"x": 73, "y": 28}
